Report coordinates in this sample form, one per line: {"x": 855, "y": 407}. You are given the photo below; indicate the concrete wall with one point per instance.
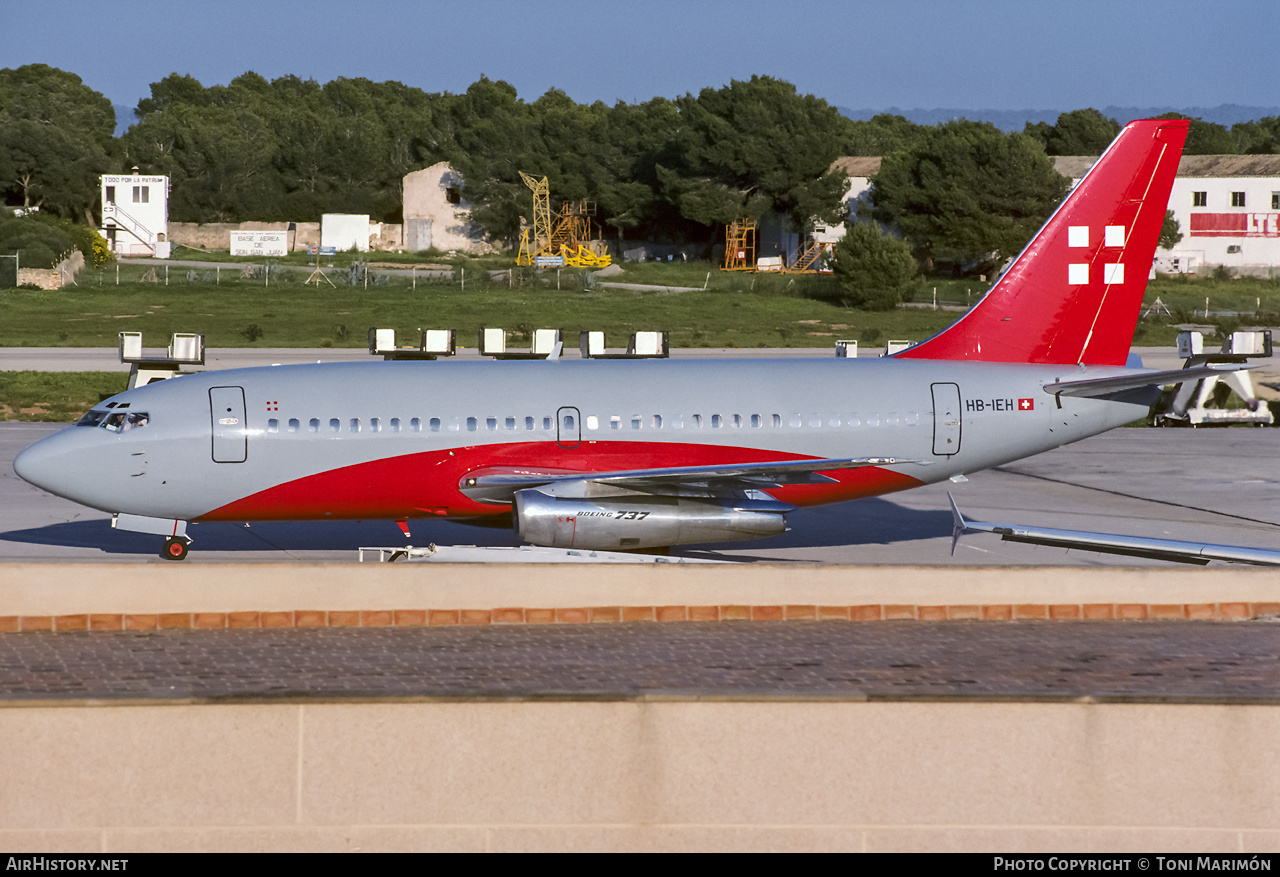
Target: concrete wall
{"x": 53, "y": 278}
{"x": 431, "y": 219}
{"x": 217, "y": 235}
{"x": 43, "y": 596}
{"x": 640, "y": 775}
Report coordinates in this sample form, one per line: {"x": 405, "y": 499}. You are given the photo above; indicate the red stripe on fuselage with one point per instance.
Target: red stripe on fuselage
{"x": 426, "y": 484}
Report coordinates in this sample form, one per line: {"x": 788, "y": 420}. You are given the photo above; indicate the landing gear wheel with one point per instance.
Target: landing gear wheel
{"x": 175, "y": 548}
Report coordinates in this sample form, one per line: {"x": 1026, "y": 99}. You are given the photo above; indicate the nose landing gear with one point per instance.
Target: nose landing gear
{"x": 175, "y": 548}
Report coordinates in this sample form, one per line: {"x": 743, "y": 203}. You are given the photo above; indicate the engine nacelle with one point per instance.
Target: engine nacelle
{"x": 641, "y": 520}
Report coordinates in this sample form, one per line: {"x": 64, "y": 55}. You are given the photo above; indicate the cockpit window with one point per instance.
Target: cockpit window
{"x": 116, "y": 421}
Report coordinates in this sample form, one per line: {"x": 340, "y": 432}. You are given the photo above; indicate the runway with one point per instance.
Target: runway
{"x": 1220, "y": 486}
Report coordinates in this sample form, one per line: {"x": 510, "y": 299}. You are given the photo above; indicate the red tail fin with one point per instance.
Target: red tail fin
{"x": 1073, "y": 295}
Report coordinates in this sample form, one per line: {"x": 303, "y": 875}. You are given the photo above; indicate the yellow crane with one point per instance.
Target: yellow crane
{"x": 571, "y": 237}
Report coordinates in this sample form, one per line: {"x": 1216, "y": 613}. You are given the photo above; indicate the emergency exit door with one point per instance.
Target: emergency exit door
{"x": 230, "y": 435}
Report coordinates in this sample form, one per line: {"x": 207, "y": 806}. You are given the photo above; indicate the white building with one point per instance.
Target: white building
{"x": 1228, "y": 210}
{"x": 135, "y": 214}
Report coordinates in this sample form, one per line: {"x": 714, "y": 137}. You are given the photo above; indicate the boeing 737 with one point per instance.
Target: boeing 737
{"x": 609, "y": 454}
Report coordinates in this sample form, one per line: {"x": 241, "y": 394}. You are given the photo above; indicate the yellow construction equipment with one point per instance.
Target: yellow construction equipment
{"x": 740, "y": 254}
{"x": 740, "y": 245}
{"x": 570, "y": 237}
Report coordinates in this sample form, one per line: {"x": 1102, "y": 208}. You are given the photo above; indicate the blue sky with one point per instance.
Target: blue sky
{"x": 1002, "y": 54}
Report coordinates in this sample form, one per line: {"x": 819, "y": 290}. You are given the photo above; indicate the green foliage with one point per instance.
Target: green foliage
{"x": 1080, "y": 132}
{"x": 881, "y": 135}
{"x": 55, "y": 138}
{"x": 876, "y": 271}
{"x": 38, "y": 244}
{"x": 967, "y": 194}
{"x": 83, "y": 238}
{"x": 1205, "y": 138}
{"x": 1258, "y": 138}
{"x": 1170, "y": 231}
{"x": 759, "y": 139}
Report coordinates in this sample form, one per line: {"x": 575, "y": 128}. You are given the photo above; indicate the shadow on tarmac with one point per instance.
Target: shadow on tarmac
{"x": 862, "y": 522}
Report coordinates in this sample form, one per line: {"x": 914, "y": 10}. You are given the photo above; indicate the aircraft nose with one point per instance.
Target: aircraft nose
{"x": 38, "y": 464}
{"x": 46, "y": 464}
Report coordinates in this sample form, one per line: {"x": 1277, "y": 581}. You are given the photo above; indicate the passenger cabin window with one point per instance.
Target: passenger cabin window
{"x": 294, "y": 425}
{"x": 314, "y": 424}
{"x": 335, "y": 425}
{"x": 273, "y": 425}
{"x": 395, "y": 424}
{"x": 434, "y": 424}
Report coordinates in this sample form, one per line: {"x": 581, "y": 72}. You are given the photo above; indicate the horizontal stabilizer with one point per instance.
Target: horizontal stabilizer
{"x": 1109, "y": 543}
{"x": 1120, "y": 383}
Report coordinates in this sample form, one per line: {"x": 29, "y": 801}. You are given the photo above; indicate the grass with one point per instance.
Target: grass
{"x": 55, "y": 396}
{"x": 735, "y": 310}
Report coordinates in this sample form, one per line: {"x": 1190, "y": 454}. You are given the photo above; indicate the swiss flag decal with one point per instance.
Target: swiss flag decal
{"x": 1026, "y": 404}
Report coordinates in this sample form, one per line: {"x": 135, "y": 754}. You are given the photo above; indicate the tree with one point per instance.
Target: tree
{"x": 1205, "y": 138}
{"x": 758, "y": 140}
{"x": 876, "y": 271}
{"x": 1079, "y": 132}
{"x": 880, "y": 135}
{"x": 1170, "y": 232}
{"x": 55, "y": 139}
{"x": 1261, "y": 137}
{"x": 968, "y": 194}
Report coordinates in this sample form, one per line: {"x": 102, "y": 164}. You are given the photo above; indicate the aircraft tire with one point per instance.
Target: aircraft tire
{"x": 175, "y": 548}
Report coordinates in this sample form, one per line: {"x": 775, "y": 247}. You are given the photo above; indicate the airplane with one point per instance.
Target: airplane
{"x": 1175, "y": 550}
{"x": 634, "y": 455}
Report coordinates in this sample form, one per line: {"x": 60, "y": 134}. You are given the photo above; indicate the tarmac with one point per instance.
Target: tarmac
{"x": 1216, "y": 485}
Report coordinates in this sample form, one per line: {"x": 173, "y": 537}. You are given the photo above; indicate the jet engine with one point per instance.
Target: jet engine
{"x": 641, "y": 520}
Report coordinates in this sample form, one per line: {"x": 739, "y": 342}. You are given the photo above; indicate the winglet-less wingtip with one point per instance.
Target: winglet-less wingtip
{"x": 958, "y": 523}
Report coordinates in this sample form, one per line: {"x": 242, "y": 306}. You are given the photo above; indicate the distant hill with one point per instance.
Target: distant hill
{"x": 1015, "y": 120}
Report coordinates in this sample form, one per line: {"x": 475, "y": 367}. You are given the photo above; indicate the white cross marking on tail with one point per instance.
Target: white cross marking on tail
{"x": 1113, "y": 236}
{"x": 1113, "y": 273}
{"x": 1078, "y": 274}
{"x": 1077, "y": 236}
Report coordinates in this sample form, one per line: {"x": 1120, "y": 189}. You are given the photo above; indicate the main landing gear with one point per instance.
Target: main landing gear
{"x": 175, "y": 548}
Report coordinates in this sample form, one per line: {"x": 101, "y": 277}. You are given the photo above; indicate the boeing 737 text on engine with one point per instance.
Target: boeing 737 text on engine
{"x": 601, "y": 454}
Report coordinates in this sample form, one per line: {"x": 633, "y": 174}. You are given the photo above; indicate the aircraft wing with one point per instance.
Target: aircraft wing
{"x": 498, "y": 485}
{"x": 1120, "y": 383}
{"x": 1109, "y": 543}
